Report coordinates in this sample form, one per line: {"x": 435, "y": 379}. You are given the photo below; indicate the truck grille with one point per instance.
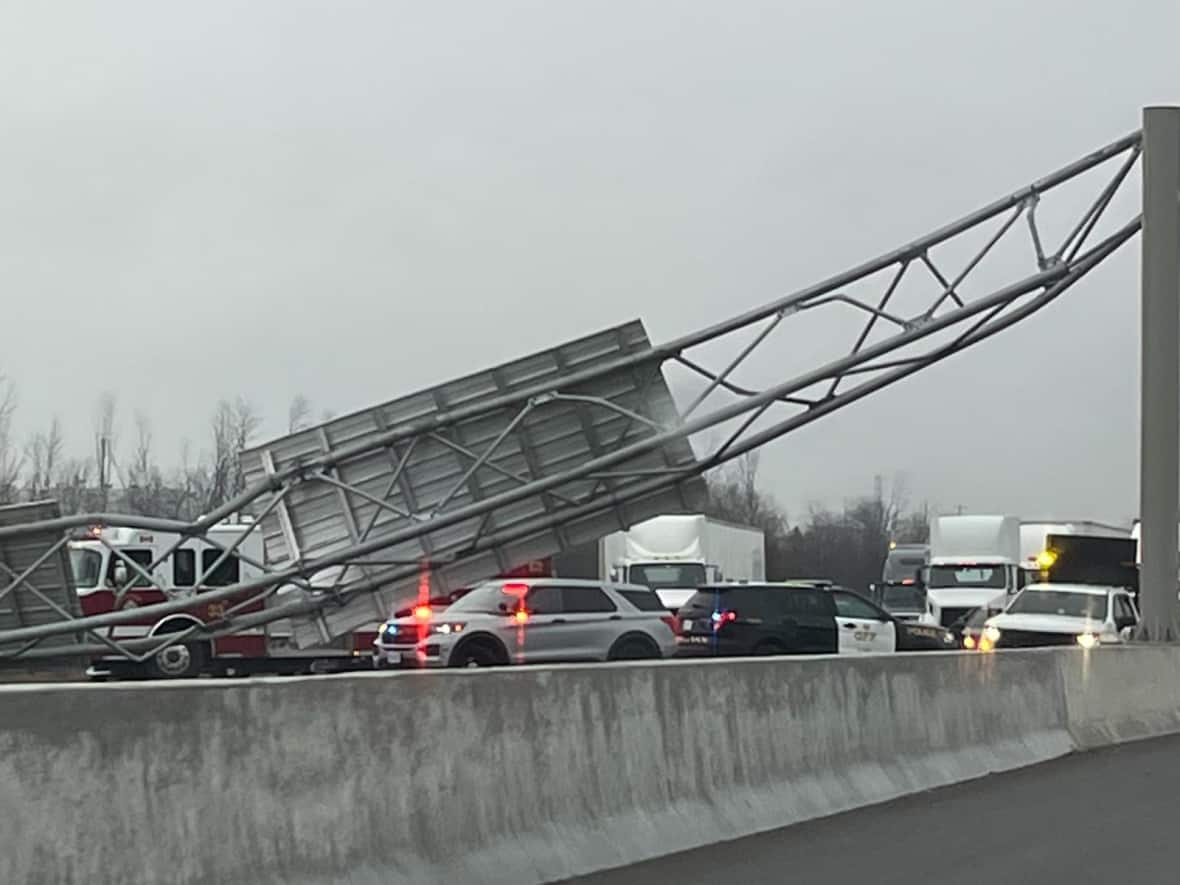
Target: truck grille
{"x": 1034, "y": 639}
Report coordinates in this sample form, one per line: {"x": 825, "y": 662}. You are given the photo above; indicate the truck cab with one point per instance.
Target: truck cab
{"x": 955, "y": 588}
{"x": 974, "y": 563}
{"x": 902, "y": 589}
{"x": 674, "y": 554}
{"x": 673, "y": 581}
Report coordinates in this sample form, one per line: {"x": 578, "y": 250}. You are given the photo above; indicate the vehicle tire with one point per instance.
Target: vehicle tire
{"x": 633, "y": 648}
{"x": 184, "y": 660}
{"x": 770, "y": 647}
{"x": 477, "y": 653}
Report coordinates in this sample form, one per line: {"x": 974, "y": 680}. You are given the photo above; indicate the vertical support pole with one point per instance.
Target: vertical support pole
{"x": 103, "y": 458}
{"x": 1159, "y": 428}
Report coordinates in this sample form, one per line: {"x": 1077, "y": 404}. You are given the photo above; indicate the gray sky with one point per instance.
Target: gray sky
{"x": 357, "y": 200}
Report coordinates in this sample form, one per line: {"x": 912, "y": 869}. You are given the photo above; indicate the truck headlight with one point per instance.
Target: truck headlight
{"x": 991, "y": 634}
{"x": 1088, "y": 640}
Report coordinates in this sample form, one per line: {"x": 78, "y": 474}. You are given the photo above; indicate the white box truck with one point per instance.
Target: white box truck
{"x": 974, "y": 563}
{"x": 675, "y": 554}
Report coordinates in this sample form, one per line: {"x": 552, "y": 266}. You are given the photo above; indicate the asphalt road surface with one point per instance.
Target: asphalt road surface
{"x": 1106, "y": 816}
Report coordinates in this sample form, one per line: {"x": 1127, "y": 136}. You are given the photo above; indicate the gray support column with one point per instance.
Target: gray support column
{"x": 1159, "y": 442}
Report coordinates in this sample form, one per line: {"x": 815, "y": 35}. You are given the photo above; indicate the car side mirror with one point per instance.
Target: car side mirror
{"x": 121, "y": 573}
{"x": 1127, "y": 633}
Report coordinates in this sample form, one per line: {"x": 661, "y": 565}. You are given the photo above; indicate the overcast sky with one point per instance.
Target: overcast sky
{"x": 356, "y": 200}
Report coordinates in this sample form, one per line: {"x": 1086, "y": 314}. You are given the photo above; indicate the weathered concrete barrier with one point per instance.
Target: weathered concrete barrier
{"x": 516, "y": 776}
{"x": 1122, "y": 694}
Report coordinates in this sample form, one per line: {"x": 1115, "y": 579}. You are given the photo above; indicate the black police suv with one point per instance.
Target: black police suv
{"x": 796, "y": 618}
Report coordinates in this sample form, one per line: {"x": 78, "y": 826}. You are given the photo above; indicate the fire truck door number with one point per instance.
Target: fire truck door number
{"x": 216, "y": 611}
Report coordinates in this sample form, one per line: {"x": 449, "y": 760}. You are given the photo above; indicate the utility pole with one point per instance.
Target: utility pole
{"x": 103, "y": 458}
{"x": 1159, "y": 418}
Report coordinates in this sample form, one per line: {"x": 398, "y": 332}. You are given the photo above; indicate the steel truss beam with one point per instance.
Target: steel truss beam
{"x": 334, "y": 585}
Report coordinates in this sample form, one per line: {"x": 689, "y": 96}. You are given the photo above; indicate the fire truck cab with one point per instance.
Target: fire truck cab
{"x": 117, "y": 568}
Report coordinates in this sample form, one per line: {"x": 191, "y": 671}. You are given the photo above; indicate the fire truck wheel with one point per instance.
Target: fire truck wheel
{"x": 181, "y": 661}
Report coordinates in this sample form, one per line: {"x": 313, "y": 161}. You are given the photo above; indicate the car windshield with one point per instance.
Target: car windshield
{"x": 962, "y": 576}
{"x": 87, "y": 568}
{"x": 1059, "y": 602}
{"x": 668, "y": 575}
{"x": 903, "y": 597}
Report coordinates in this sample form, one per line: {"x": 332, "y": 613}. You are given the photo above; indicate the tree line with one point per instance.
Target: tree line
{"x": 127, "y": 476}
{"x": 847, "y": 546}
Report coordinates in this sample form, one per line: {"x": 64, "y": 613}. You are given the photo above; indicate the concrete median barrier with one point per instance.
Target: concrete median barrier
{"x": 1115, "y": 695}
{"x": 518, "y": 776}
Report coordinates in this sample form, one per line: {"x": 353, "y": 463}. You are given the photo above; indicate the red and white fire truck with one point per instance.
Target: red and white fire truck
{"x": 194, "y": 568}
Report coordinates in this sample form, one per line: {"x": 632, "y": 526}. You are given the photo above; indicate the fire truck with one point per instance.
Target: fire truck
{"x": 141, "y": 573}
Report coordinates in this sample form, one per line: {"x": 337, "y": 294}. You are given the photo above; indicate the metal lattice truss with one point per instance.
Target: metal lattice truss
{"x": 564, "y": 446}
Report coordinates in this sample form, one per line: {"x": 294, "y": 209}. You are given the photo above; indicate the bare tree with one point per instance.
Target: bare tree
{"x": 246, "y": 424}
{"x": 877, "y": 516}
{"x": 147, "y": 493}
{"x": 141, "y": 459}
{"x": 299, "y": 414}
{"x": 734, "y": 495}
{"x": 43, "y": 453}
{"x": 233, "y": 426}
{"x": 222, "y": 465}
{"x": 914, "y": 527}
{"x": 190, "y": 484}
{"x": 850, "y": 545}
{"x": 72, "y": 486}
{"x": 104, "y": 445}
{"x": 10, "y": 456}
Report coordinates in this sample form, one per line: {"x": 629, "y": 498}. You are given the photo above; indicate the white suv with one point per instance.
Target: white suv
{"x": 532, "y": 621}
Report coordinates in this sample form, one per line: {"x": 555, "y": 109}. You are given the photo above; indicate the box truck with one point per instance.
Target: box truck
{"x": 974, "y": 563}
{"x": 1034, "y": 536}
{"x": 675, "y": 554}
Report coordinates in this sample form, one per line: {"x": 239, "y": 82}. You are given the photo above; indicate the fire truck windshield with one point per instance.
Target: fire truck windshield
{"x": 87, "y": 568}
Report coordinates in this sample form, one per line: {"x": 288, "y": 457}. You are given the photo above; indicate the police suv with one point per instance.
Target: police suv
{"x": 796, "y": 617}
